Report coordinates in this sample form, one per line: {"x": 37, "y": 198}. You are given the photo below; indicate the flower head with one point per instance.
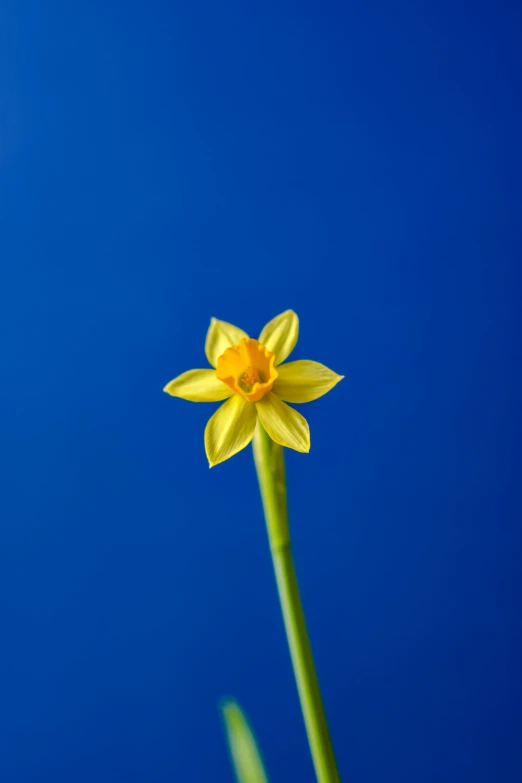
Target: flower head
{"x": 250, "y": 376}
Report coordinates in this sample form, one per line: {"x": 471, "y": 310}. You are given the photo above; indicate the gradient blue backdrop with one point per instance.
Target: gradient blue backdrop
{"x": 161, "y": 163}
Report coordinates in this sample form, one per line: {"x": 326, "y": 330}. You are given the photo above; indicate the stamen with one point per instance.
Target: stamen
{"x": 250, "y": 376}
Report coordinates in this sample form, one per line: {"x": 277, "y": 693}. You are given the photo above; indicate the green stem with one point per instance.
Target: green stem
{"x": 270, "y": 467}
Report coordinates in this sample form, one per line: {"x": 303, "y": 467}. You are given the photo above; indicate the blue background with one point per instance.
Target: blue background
{"x": 162, "y": 163}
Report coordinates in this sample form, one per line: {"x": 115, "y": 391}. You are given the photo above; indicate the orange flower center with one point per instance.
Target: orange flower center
{"x": 249, "y": 377}
{"x": 248, "y": 369}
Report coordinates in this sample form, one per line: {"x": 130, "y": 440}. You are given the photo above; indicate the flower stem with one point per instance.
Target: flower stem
{"x": 270, "y": 467}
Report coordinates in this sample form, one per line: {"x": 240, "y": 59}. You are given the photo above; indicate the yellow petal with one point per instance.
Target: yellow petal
{"x": 284, "y": 424}
{"x": 198, "y": 386}
{"x": 280, "y": 335}
{"x": 304, "y": 381}
{"x": 230, "y": 429}
{"x": 221, "y": 336}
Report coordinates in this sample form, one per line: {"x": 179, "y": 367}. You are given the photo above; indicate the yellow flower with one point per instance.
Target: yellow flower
{"x": 249, "y": 375}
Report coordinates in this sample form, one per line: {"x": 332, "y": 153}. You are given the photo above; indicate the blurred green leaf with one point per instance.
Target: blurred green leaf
{"x": 245, "y": 755}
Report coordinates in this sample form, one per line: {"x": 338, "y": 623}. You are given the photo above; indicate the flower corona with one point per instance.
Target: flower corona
{"x": 248, "y": 368}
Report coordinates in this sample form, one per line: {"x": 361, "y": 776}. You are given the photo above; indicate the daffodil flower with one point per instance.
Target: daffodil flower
{"x": 250, "y": 376}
